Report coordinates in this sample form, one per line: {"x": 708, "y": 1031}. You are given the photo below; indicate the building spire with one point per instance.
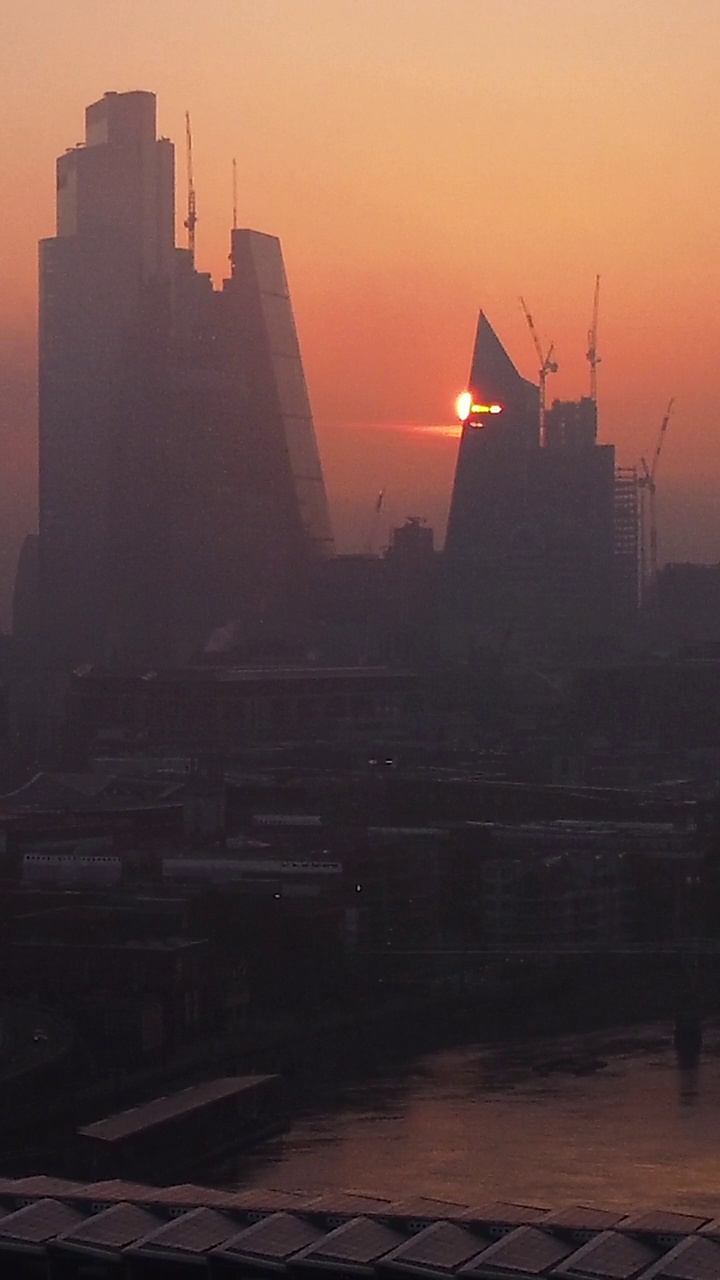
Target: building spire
{"x": 234, "y": 194}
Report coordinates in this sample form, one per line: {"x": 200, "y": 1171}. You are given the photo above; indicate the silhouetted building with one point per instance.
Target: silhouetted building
{"x": 412, "y": 542}
{"x": 221, "y": 710}
{"x": 250, "y": 512}
{"x": 571, "y": 424}
{"x": 111, "y": 258}
{"x": 413, "y": 567}
{"x": 685, "y": 606}
{"x": 375, "y": 609}
{"x": 530, "y": 541}
{"x": 26, "y": 589}
{"x": 352, "y": 613}
{"x": 668, "y": 703}
{"x": 181, "y": 495}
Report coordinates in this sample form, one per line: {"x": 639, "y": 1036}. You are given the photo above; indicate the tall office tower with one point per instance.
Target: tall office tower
{"x": 248, "y": 512}
{"x": 25, "y": 622}
{"x": 489, "y": 542}
{"x": 530, "y": 538}
{"x": 490, "y": 454}
{"x": 182, "y": 498}
{"x": 110, "y": 260}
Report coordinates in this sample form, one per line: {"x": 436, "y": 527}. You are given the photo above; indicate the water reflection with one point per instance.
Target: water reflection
{"x": 688, "y": 1085}
{"x": 485, "y": 1123}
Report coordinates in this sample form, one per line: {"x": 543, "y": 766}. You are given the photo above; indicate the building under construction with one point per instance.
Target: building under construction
{"x": 542, "y": 536}
{"x": 627, "y": 541}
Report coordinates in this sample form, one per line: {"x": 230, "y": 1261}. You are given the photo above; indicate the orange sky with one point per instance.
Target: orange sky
{"x": 418, "y": 158}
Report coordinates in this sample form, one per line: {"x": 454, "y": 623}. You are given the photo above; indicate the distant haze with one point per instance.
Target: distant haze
{"x": 418, "y": 159}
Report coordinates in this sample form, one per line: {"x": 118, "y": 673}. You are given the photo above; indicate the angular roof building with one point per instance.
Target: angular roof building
{"x": 530, "y": 541}
{"x": 493, "y": 380}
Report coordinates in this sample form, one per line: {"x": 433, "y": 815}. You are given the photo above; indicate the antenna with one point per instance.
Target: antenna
{"x": 191, "y": 220}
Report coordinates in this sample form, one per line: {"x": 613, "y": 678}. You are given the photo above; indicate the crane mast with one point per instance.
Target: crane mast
{"x": 648, "y": 510}
{"x": 377, "y": 508}
{"x": 592, "y": 356}
{"x": 191, "y": 219}
{"x": 546, "y": 365}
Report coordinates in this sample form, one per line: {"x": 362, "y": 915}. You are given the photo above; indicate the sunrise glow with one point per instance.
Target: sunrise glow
{"x": 408, "y": 190}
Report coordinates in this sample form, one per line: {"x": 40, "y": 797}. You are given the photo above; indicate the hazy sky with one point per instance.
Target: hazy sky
{"x": 418, "y": 159}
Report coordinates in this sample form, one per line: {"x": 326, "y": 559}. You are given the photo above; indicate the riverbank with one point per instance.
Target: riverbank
{"x": 317, "y": 1057}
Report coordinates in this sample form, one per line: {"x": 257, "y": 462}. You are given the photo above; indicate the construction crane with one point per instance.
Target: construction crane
{"x": 592, "y": 356}
{"x": 191, "y": 219}
{"x": 372, "y": 530}
{"x": 648, "y": 514}
{"x": 547, "y": 365}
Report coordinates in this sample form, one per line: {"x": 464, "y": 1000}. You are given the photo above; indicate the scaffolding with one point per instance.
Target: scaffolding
{"x": 628, "y": 586}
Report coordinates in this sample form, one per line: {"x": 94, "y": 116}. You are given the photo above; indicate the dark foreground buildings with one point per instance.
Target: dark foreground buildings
{"x": 534, "y": 534}
{"x": 182, "y": 502}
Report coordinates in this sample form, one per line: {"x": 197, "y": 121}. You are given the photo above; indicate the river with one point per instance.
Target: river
{"x": 483, "y": 1123}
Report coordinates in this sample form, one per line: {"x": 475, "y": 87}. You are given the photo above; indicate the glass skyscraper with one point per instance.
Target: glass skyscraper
{"x": 181, "y": 492}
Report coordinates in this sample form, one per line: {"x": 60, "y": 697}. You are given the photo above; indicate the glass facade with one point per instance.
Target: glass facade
{"x": 259, "y": 272}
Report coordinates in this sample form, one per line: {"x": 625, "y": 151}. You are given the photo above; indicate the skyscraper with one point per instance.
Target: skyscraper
{"x": 530, "y": 540}
{"x": 181, "y": 491}
{"x": 111, "y": 256}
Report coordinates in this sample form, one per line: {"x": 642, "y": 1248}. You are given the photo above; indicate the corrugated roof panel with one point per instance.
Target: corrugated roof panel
{"x": 194, "y": 1233}
{"x": 39, "y": 1222}
{"x": 581, "y": 1217}
{"x": 187, "y": 1193}
{"x": 273, "y": 1199}
{"x": 524, "y": 1252}
{"x": 610, "y": 1256}
{"x": 711, "y": 1228}
{"x": 505, "y": 1215}
{"x": 274, "y": 1239}
{"x": 348, "y": 1204}
{"x": 101, "y": 1195}
{"x": 359, "y": 1242}
{"x": 113, "y": 1228}
{"x": 120, "y": 1189}
{"x": 659, "y": 1222}
{"x": 425, "y": 1209}
{"x": 439, "y": 1248}
{"x": 693, "y": 1259}
{"x": 41, "y": 1186}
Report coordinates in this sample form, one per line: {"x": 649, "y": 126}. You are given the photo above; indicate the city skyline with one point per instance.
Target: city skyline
{"x": 595, "y": 146}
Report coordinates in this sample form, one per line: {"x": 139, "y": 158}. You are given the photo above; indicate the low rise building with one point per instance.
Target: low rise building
{"x": 228, "y": 709}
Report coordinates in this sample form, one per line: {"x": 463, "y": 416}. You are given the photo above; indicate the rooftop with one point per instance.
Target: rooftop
{"x": 349, "y": 1234}
{"x": 239, "y": 675}
{"x": 150, "y": 1114}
